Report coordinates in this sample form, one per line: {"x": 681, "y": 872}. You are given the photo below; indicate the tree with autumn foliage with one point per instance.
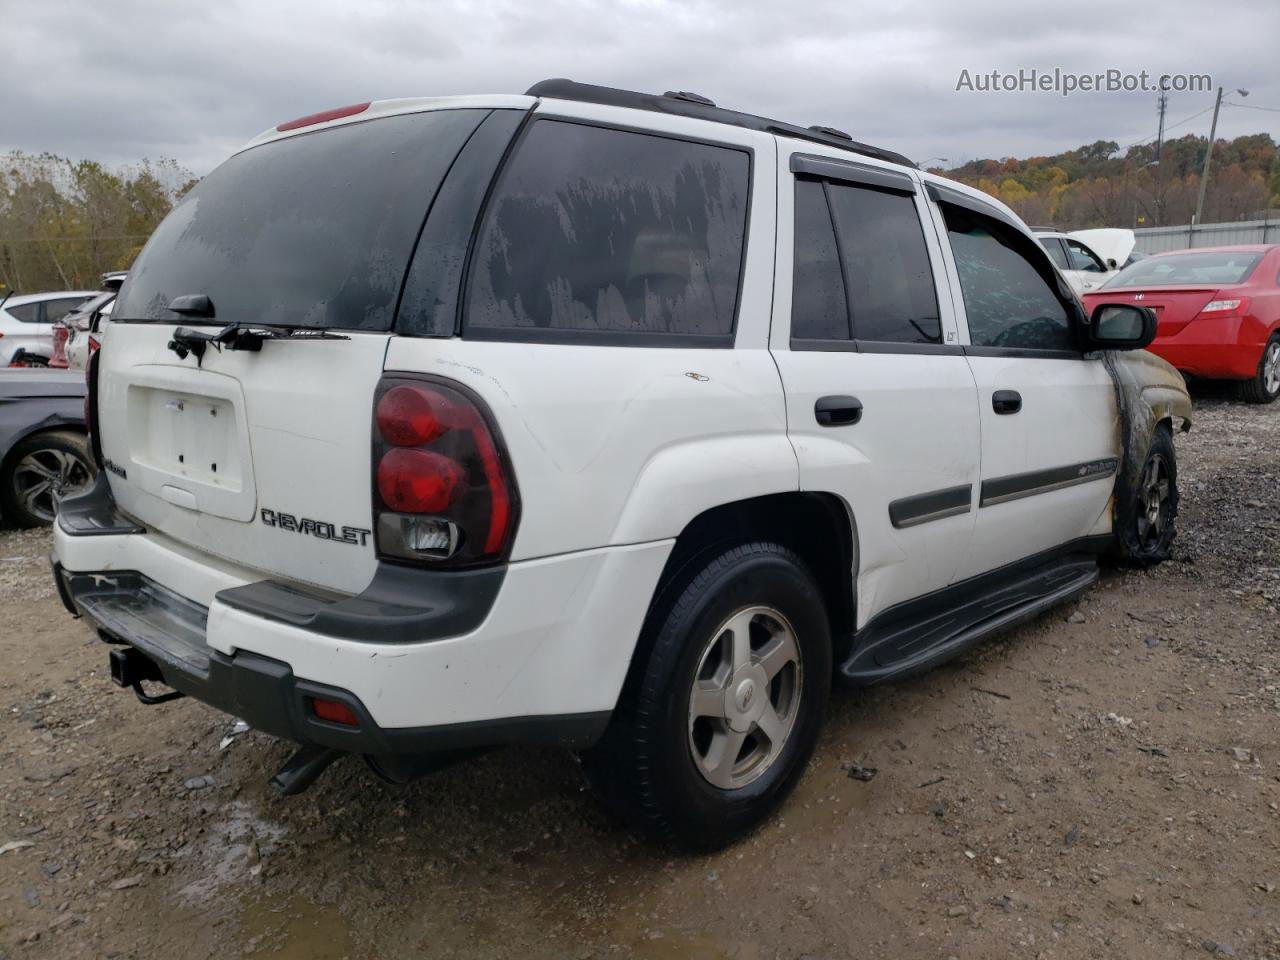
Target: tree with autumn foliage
{"x": 64, "y": 223}
{"x": 1099, "y": 186}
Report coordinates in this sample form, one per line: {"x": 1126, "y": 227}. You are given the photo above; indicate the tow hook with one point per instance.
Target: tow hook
{"x": 129, "y": 668}
{"x": 302, "y": 769}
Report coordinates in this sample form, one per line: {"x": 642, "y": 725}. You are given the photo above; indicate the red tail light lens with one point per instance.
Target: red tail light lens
{"x": 445, "y": 491}
{"x": 418, "y": 481}
{"x": 60, "y": 335}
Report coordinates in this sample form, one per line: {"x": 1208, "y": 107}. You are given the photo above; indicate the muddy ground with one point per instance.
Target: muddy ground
{"x": 1104, "y": 782}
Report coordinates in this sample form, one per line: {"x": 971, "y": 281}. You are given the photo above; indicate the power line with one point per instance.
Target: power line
{"x": 1250, "y": 106}
{"x": 1167, "y": 128}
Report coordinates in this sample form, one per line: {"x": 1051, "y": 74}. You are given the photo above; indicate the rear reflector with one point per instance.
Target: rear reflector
{"x": 335, "y": 711}
{"x": 337, "y": 113}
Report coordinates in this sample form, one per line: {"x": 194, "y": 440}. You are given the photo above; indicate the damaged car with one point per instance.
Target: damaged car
{"x": 615, "y": 421}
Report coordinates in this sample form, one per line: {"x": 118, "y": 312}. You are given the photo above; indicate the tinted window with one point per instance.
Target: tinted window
{"x": 600, "y": 231}
{"x": 1006, "y": 299}
{"x": 1226, "y": 266}
{"x": 1083, "y": 258}
{"x": 818, "y": 309}
{"x": 1053, "y": 247}
{"x": 886, "y": 266}
{"x": 55, "y": 310}
{"x": 27, "y": 312}
{"x": 313, "y": 230}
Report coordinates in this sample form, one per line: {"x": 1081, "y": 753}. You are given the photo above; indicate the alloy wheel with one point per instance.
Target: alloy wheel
{"x": 745, "y": 697}
{"x": 43, "y": 478}
{"x": 1271, "y": 369}
{"x": 1154, "y": 492}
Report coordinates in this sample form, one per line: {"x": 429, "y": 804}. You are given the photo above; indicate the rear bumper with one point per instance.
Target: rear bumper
{"x": 545, "y": 664}
{"x": 1225, "y": 348}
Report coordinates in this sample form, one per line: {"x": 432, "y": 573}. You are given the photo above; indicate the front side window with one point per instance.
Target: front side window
{"x": 1007, "y": 300}
{"x": 599, "y": 232}
{"x": 886, "y": 265}
{"x": 55, "y": 310}
{"x": 1082, "y": 258}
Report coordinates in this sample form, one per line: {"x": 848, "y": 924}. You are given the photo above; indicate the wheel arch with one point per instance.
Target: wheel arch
{"x": 819, "y": 527}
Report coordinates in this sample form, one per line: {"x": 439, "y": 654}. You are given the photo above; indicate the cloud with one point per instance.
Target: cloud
{"x": 141, "y": 78}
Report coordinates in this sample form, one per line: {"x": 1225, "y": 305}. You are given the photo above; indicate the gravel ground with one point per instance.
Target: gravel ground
{"x": 1103, "y": 782}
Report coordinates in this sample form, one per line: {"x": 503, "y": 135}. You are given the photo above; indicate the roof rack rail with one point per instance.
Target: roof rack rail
{"x": 681, "y": 104}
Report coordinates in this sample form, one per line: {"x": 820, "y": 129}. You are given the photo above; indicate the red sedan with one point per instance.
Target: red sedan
{"x": 1218, "y": 310}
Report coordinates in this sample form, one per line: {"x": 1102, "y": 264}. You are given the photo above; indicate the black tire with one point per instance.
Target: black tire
{"x": 645, "y": 766}
{"x": 64, "y": 453}
{"x": 1146, "y": 517}
{"x": 1264, "y": 387}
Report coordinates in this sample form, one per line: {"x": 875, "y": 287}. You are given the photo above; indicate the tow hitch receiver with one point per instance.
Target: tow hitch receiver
{"x": 129, "y": 668}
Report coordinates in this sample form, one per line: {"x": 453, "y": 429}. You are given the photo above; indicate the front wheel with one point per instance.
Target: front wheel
{"x": 722, "y": 709}
{"x": 1264, "y": 387}
{"x": 1146, "y": 516}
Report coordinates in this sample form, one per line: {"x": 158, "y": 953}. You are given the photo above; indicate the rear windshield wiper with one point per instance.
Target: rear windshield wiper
{"x": 239, "y": 336}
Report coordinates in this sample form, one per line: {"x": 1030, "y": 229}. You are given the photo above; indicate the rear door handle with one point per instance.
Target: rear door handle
{"x": 1005, "y": 402}
{"x": 837, "y": 411}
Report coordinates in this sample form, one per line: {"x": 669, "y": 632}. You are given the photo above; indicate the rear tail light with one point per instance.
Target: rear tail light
{"x": 444, "y": 493}
{"x": 1225, "y": 306}
{"x": 59, "y": 356}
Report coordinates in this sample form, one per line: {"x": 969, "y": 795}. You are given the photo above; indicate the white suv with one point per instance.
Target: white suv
{"x": 594, "y": 418}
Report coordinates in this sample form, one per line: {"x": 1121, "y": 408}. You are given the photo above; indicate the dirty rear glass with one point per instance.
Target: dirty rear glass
{"x": 314, "y": 230}
{"x": 1227, "y": 266}
{"x": 602, "y": 234}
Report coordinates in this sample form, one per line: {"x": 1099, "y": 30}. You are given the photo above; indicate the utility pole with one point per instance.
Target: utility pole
{"x": 1161, "y": 105}
{"x": 1208, "y": 156}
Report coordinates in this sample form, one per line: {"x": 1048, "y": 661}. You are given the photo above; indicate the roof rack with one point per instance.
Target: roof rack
{"x": 683, "y": 104}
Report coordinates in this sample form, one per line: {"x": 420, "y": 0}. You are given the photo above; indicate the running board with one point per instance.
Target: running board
{"x": 922, "y": 633}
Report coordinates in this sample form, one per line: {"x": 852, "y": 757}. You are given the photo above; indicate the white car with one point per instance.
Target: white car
{"x": 1087, "y": 258}
{"x": 642, "y": 423}
{"x": 26, "y": 324}
{"x": 85, "y": 327}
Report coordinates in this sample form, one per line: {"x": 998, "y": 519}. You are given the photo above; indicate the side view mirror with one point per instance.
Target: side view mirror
{"x": 1120, "y": 326}
{"x": 1111, "y": 263}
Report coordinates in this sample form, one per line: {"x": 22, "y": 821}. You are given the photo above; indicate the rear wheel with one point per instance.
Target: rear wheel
{"x": 722, "y": 713}
{"x": 1147, "y": 516}
{"x": 40, "y": 472}
{"x": 1264, "y": 387}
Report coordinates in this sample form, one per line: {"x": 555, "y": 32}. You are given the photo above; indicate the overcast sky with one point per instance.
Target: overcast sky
{"x": 122, "y": 80}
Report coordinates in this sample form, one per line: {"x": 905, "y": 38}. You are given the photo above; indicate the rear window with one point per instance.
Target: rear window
{"x": 604, "y": 235}
{"x": 1224, "y": 266}
{"x": 314, "y": 230}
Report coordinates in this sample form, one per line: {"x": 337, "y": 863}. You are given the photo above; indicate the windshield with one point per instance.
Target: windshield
{"x": 314, "y": 230}
{"x": 92, "y": 306}
{"x": 1216, "y": 267}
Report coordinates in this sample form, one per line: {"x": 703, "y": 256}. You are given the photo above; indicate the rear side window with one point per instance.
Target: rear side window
{"x": 26, "y": 313}
{"x": 886, "y": 266}
{"x": 596, "y": 234}
{"x": 314, "y": 230}
{"x": 818, "y": 307}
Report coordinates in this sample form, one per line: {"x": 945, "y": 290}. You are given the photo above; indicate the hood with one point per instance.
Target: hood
{"x": 1108, "y": 243}
{"x": 26, "y": 382}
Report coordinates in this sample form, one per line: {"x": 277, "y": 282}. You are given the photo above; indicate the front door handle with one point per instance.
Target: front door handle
{"x": 837, "y": 411}
{"x": 1005, "y": 402}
